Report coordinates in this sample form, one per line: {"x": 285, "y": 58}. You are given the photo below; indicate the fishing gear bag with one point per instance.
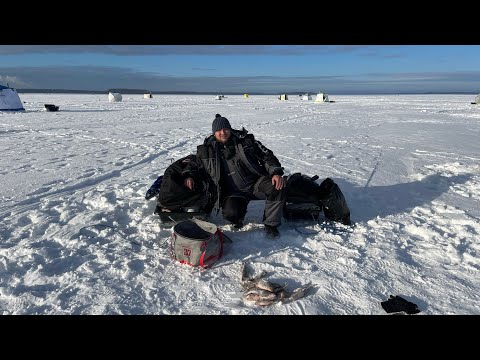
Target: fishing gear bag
{"x": 174, "y": 195}
{"x": 306, "y": 199}
{"x": 301, "y": 202}
{"x": 196, "y": 242}
{"x": 176, "y": 202}
{"x": 334, "y": 204}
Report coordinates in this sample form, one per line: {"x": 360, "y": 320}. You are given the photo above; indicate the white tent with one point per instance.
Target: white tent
{"x": 9, "y": 99}
{"x": 283, "y": 97}
{"x": 219, "y": 97}
{"x": 477, "y": 99}
{"x": 112, "y": 97}
{"x": 306, "y": 97}
{"x": 147, "y": 96}
{"x": 322, "y": 97}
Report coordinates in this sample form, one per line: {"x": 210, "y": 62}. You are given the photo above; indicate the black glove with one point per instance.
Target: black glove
{"x": 154, "y": 189}
{"x": 397, "y": 304}
{"x": 151, "y": 193}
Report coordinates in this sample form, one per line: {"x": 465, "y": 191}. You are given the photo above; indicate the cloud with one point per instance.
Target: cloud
{"x": 203, "y": 69}
{"x": 466, "y": 76}
{"x": 14, "y": 81}
{"x": 103, "y": 78}
{"x": 147, "y": 50}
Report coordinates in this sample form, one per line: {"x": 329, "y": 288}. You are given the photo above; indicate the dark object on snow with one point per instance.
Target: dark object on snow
{"x": 302, "y": 189}
{"x": 175, "y": 196}
{"x": 301, "y": 203}
{"x": 175, "y": 201}
{"x": 154, "y": 189}
{"x": 302, "y": 211}
{"x": 51, "y": 107}
{"x": 397, "y": 304}
{"x": 334, "y": 204}
{"x": 306, "y": 199}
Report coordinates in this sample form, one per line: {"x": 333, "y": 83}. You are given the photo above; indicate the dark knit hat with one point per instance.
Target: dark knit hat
{"x": 220, "y": 123}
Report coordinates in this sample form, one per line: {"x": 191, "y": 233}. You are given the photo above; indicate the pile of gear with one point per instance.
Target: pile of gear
{"x": 306, "y": 199}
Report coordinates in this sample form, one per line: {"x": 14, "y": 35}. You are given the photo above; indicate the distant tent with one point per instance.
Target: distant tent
{"x": 477, "y": 99}
{"x": 113, "y": 97}
{"x": 147, "y": 95}
{"x": 218, "y": 97}
{"x": 245, "y": 95}
{"x": 283, "y": 97}
{"x": 321, "y": 97}
{"x": 9, "y": 99}
{"x": 306, "y": 97}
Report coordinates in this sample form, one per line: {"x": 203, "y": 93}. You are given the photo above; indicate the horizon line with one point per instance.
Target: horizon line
{"x": 142, "y": 91}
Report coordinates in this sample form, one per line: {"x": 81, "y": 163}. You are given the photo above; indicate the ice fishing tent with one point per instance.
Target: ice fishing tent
{"x": 113, "y": 97}
{"x": 306, "y": 97}
{"x": 322, "y": 97}
{"x": 219, "y": 97}
{"x": 477, "y": 100}
{"x": 147, "y": 96}
{"x": 9, "y": 99}
{"x": 283, "y": 97}
{"x": 245, "y": 95}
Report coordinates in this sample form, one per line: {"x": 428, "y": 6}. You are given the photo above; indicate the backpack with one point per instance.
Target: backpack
{"x": 306, "y": 199}
{"x": 175, "y": 196}
{"x": 176, "y": 202}
{"x": 334, "y": 204}
{"x": 301, "y": 202}
{"x": 196, "y": 242}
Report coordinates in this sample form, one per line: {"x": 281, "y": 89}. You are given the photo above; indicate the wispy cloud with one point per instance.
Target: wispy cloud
{"x": 467, "y": 76}
{"x": 103, "y": 78}
{"x": 202, "y": 69}
{"x": 146, "y": 50}
{"x": 14, "y": 81}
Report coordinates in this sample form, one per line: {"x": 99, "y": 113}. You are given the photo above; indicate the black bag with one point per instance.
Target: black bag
{"x": 154, "y": 189}
{"x": 306, "y": 199}
{"x": 51, "y": 107}
{"x": 175, "y": 201}
{"x": 302, "y": 201}
{"x": 334, "y": 204}
{"x": 302, "y": 189}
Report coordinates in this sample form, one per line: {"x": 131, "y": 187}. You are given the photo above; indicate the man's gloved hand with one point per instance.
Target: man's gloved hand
{"x": 397, "y": 304}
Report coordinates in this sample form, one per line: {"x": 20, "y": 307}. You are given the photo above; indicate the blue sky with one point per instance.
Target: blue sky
{"x": 244, "y": 68}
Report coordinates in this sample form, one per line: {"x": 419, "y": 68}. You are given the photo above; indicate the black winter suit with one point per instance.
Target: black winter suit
{"x": 242, "y": 170}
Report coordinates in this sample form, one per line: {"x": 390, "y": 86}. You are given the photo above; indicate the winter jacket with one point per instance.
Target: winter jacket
{"x": 251, "y": 158}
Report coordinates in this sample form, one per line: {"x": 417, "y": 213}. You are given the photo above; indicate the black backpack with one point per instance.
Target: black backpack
{"x": 301, "y": 201}
{"x": 306, "y": 199}
{"x": 334, "y": 204}
{"x": 176, "y": 201}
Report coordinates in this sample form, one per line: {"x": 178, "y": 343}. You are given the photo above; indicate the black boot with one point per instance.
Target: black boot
{"x": 271, "y": 232}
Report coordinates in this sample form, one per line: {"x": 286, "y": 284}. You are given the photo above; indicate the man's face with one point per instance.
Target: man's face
{"x": 223, "y": 135}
